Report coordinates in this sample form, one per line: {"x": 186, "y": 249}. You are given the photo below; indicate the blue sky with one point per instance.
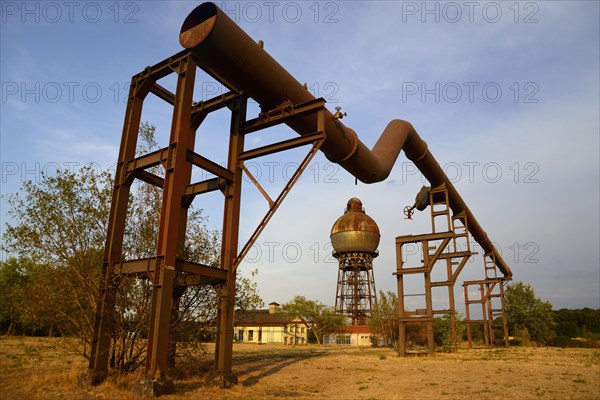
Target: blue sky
{"x": 506, "y": 94}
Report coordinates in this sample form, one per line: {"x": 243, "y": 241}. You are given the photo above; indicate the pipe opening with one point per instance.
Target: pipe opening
{"x": 198, "y": 25}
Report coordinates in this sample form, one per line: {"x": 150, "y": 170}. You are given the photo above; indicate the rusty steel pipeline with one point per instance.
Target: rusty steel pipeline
{"x": 223, "y": 49}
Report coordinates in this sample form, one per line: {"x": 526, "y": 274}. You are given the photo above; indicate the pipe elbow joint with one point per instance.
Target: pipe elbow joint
{"x": 401, "y": 124}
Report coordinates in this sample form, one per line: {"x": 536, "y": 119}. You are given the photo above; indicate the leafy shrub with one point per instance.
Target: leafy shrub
{"x": 515, "y": 342}
{"x": 565, "y": 341}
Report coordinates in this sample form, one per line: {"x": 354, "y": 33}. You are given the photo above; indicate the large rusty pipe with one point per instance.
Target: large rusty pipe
{"x": 222, "y": 48}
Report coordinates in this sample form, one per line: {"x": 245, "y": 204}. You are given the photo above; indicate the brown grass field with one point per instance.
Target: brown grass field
{"x": 42, "y": 368}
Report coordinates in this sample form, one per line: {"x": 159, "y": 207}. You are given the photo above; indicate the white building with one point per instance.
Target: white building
{"x": 269, "y": 326}
{"x": 355, "y": 335}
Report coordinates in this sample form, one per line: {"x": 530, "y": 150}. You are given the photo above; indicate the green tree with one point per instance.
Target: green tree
{"x": 58, "y": 235}
{"x": 319, "y": 317}
{"x": 528, "y": 313}
{"x": 384, "y": 321}
{"x": 575, "y": 323}
{"x": 58, "y": 231}
{"x": 12, "y": 281}
{"x": 443, "y": 331}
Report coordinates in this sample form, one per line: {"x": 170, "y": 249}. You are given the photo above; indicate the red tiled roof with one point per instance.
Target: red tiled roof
{"x": 357, "y": 329}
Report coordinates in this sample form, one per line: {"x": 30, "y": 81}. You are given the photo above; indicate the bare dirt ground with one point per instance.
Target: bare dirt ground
{"x": 41, "y": 368}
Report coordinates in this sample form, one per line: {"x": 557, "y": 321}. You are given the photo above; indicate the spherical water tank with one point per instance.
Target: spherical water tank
{"x": 355, "y": 231}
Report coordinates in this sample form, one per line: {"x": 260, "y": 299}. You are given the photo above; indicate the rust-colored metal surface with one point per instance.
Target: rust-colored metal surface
{"x": 219, "y": 47}
{"x": 169, "y": 273}
{"x": 355, "y": 230}
{"x": 493, "y": 306}
{"x": 447, "y": 244}
{"x": 355, "y": 293}
{"x": 355, "y": 237}
{"x": 231, "y": 56}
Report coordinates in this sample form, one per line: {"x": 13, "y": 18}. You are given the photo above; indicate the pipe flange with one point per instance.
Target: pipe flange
{"x": 354, "y": 147}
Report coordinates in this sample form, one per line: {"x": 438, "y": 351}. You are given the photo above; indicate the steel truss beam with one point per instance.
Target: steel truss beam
{"x": 436, "y": 246}
{"x": 168, "y": 273}
{"x": 492, "y": 302}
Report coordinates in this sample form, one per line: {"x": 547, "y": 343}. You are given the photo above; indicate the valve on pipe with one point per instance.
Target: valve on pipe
{"x": 421, "y": 202}
{"x": 338, "y": 113}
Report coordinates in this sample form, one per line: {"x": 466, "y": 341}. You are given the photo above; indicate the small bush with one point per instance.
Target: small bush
{"x": 524, "y": 337}
{"x": 564, "y": 341}
{"x": 560, "y": 341}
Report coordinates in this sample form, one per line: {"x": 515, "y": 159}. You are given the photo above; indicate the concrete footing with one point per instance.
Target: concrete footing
{"x": 153, "y": 387}
{"x": 220, "y": 379}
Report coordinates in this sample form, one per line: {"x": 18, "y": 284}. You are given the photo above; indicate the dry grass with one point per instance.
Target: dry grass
{"x": 40, "y": 369}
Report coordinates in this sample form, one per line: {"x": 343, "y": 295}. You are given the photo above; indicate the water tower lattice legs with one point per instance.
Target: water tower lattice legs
{"x": 355, "y": 294}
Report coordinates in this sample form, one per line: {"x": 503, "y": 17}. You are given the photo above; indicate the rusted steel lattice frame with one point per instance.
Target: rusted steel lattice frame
{"x": 355, "y": 275}
{"x": 166, "y": 270}
{"x": 490, "y": 288}
{"x": 445, "y": 248}
{"x": 231, "y": 259}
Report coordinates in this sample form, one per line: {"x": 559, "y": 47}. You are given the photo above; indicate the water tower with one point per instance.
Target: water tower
{"x": 355, "y": 237}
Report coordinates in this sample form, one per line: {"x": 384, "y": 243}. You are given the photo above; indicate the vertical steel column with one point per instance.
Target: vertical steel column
{"x": 373, "y": 293}
{"x": 489, "y": 287}
{"x": 178, "y": 292}
{"x": 504, "y": 315}
{"x": 428, "y": 298}
{"x": 355, "y": 292}
{"x": 401, "y": 312}
{"x": 339, "y": 297}
{"x": 486, "y": 335}
{"x": 177, "y": 177}
{"x": 229, "y": 249}
{"x": 451, "y": 302}
{"x": 105, "y": 319}
{"x": 468, "y": 315}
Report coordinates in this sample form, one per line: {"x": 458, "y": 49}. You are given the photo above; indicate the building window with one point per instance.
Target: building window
{"x": 301, "y": 330}
{"x": 343, "y": 339}
{"x": 241, "y": 335}
{"x": 250, "y": 335}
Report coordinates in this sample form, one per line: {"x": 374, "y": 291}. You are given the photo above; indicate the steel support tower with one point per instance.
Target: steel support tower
{"x": 355, "y": 294}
